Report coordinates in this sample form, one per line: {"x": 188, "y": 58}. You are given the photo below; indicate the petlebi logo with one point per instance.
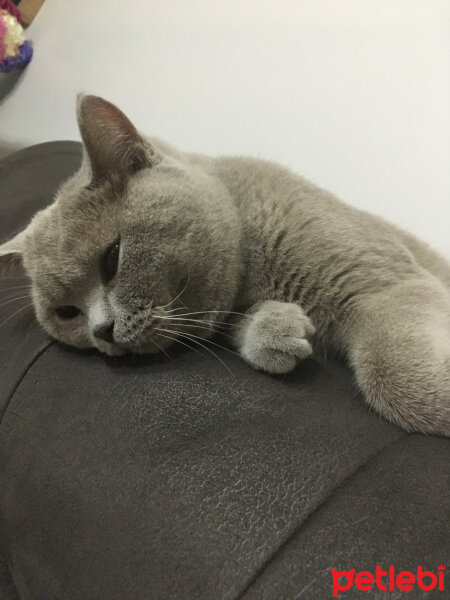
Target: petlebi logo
{"x": 388, "y": 579}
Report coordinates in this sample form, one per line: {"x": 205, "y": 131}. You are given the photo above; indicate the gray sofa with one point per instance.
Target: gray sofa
{"x": 149, "y": 478}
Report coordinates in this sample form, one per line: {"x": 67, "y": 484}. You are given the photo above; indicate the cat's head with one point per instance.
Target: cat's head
{"x": 140, "y": 237}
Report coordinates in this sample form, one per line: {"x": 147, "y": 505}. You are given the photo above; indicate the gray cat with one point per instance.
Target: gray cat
{"x": 145, "y": 246}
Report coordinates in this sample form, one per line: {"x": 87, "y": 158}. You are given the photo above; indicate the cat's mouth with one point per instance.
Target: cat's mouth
{"x": 121, "y": 350}
{"x": 153, "y": 332}
{"x": 149, "y": 343}
{"x": 151, "y": 346}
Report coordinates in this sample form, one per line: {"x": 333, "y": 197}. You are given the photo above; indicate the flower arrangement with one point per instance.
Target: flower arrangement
{"x": 15, "y": 51}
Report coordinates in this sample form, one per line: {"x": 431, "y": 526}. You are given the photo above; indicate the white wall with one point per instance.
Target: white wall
{"x": 354, "y": 94}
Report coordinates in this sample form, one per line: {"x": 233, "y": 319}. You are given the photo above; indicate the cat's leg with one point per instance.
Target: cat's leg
{"x": 273, "y": 336}
{"x": 399, "y": 347}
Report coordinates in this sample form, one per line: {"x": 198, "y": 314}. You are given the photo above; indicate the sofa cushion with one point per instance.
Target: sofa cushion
{"x": 153, "y": 478}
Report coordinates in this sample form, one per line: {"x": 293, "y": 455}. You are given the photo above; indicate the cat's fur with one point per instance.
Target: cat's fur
{"x": 200, "y": 235}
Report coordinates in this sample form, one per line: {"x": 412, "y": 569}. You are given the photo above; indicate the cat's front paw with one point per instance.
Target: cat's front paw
{"x": 276, "y": 337}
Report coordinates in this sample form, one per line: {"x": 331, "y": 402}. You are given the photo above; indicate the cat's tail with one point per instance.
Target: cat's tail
{"x": 399, "y": 347}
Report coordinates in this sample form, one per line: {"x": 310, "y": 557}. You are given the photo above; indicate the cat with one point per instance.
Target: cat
{"x": 146, "y": 246}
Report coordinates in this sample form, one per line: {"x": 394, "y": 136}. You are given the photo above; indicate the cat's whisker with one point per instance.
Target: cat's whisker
{"x": 143, "y": 327}
{"x": 15, "y": 295}
{"x": 202, "y": 327}
{"x": 145, "y": 323}
{"x": 14, "y": 300}
{"x": 17, "y": 287}
{"x": 162, "y": 349}
{"x": 192, "y": 335}
{"x": 223, "y": 312}
{"x": 175, "y": 318}
{"x": 171, "y": 310}
{"x": 176, "y": 340}
{"x": 176, "y": 297}
{"x": 213, "y": 323}
{"x": 195, "y": 341}
{"x": 198, "y": 323}
{"x": 15, "y": 313}
{"x": 12, "y": 291}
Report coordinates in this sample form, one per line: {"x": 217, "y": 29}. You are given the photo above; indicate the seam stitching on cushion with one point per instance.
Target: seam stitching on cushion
{"x": 332, "y": 492}
{"x": 23, "y": 375}
{"x": 11, "y": 581}
{"x": 32, "y": 362}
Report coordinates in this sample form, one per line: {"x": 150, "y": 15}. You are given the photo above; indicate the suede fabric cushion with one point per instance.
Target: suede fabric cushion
{"x": 149, "y": 478}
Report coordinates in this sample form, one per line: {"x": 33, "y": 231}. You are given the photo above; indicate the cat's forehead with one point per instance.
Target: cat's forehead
{"x": 65, "y": 240}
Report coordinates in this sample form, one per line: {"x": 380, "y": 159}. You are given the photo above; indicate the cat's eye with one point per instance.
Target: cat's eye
{"x": 110, "y": 261}
{"x": 68, "y": 312}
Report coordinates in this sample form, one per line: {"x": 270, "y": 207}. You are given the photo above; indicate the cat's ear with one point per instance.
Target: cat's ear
{"x": 11, "y": 252}
{"x": 112, "y": 143}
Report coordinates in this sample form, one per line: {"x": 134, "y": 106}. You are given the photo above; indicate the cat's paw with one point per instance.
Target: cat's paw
{"x": 276, "y": 337}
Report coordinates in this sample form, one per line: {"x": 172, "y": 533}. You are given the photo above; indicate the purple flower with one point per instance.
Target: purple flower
{"x": 20, "y": 60}
{"x": 8, "y": 64}
{"x": 25, "y": 54}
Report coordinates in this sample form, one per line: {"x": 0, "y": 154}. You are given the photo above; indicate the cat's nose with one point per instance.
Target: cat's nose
{"x": 105, "y": 332}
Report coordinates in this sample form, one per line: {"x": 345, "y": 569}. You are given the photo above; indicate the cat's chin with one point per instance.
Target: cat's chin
{"x": 120, "y": 349}
{"x": 148, "y": 347}
{"x": 111, "y": 349}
